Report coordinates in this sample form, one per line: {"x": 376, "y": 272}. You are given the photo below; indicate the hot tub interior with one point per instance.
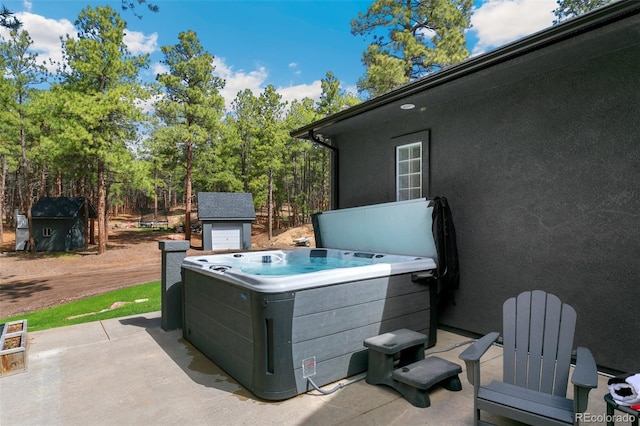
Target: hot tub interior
{"x": 300, "y": 261}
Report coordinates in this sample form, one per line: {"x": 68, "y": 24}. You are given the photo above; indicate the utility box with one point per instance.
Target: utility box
{"x": 22, "y": 232}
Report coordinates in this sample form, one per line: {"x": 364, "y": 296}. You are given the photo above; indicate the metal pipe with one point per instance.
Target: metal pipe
{"x": 336, "y": 171}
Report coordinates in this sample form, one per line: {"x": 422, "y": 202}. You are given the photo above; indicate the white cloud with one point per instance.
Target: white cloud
{"x": 256, "y": 81}
{"x": 140, "y": 44}
{"x": 497, "y": 22}
{"x": 158, "y": 68}
{"x": 148, "y": 105}
{"x": 301, "y": 91}
{"x": 352, "y": 90}
{"x": 45, "y": 34}
{"x": 427, "y": 33}
{"x": 293, "y": 66}
{"x": 237, "y": 81}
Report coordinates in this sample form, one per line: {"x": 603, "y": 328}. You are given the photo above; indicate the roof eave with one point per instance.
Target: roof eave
{"x": 583, "y": 23}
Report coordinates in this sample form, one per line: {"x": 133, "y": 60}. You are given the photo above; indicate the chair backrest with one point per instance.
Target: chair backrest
{"x": 538, "y": 334}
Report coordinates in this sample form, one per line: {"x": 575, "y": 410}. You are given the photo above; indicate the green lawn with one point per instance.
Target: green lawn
{"x": 95, "y": 308}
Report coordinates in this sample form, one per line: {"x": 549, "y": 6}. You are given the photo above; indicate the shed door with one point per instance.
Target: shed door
{"x": 226, "y": 237}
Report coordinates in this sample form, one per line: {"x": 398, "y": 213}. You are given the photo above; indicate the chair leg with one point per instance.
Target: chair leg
{"x": 610, "y": 421}
{"x": 476, "y": 410}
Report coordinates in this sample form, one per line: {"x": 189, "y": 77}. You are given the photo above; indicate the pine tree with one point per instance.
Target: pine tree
{"x": 22, "y": 75}
{"x": 97, "y": 99}
{"x": 422, "y": 37}
{"x": 571, "y": 8}
{"x": 191, "y": 109}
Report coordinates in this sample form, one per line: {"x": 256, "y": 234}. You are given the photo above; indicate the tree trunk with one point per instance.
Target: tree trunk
{"x": 87, "y": 228}
{"x": 155, "y": 194}
{"x": 27, "y": 199}
{"x": 187, "y": 213}
{"x": 3, "y": 207}
{"x": 102, "y": 231}
{"x": 270, "y": 206}
{"x": 59, "y": 183}
{"x": 168, "y": 195}
{"x": 43, "y": 191}
{"x": 107, "y": 201}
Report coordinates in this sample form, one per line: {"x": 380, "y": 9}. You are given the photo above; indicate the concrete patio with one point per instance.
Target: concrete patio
{"x": 130, "y": 371}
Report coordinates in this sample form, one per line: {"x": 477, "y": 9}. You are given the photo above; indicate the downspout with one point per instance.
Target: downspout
{"x": 335, "y": 176}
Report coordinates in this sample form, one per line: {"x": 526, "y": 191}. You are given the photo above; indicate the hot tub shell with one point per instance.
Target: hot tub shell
{"x": 262, "y": 330}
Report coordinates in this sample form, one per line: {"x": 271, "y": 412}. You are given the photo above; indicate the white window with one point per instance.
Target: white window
{"x": 46, "y": 232}
{"x": 409, "y": 171}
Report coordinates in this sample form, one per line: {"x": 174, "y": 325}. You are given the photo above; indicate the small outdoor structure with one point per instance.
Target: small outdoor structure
{"x": 60, "y": 223}
{"x": 226, "y": 220}
{"x": 22, "y": 232}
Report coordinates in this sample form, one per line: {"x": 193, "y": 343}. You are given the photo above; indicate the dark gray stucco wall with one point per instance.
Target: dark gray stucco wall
{"x": 540, "y": 160}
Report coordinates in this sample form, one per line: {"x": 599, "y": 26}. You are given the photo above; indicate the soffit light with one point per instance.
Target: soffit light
{"x": 407, "y": 106}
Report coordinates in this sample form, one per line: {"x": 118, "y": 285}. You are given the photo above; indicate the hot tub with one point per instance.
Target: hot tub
{"x": 261, "y": 324}
{"x": 271, "y": 319}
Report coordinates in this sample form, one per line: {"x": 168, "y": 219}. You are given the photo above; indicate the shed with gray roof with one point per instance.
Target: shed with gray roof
{"x": 60, "y": 223}
{"x": 226, "y": 220}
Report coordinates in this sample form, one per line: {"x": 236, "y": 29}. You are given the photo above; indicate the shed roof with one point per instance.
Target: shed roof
{"x": 387, "y": 105}
{"x": 60, "y": 208}
{"x": 225, "y": 206}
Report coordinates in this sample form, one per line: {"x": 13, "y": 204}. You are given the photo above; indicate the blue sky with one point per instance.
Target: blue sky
{"x": 289, "y": 44}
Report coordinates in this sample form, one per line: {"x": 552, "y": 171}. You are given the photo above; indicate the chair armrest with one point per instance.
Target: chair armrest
{"x": 479, "y": 347}
{"x": 471, "y": 357}
{"x": 585, "y": 374}
{"x": 584, "y": 378}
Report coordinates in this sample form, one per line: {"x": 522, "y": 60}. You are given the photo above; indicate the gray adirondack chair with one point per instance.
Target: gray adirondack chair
{"x": 538, "y": 334}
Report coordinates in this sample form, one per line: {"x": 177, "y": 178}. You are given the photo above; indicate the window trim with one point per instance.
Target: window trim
{"x": 47, "y": 232}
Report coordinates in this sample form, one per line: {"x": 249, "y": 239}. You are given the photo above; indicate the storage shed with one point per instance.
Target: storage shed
{"x": 226, "y": 220}
{"x": 60, "y": 223}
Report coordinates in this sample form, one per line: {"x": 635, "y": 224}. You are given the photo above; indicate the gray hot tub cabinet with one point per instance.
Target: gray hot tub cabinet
{"x": 262, "y": 338}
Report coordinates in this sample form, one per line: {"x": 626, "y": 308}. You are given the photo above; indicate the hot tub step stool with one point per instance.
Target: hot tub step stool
{"x": 415, "y": 379}
{"x": 413, "y": 375}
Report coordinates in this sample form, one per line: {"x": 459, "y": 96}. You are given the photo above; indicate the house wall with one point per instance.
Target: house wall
{"x": 539, "y": 158}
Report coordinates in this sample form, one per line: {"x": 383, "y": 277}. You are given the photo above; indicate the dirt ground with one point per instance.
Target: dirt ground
{"x": 29, "y": 282}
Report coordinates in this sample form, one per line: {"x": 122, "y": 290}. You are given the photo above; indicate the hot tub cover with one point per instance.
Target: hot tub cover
{"x": 403, "y": 227}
